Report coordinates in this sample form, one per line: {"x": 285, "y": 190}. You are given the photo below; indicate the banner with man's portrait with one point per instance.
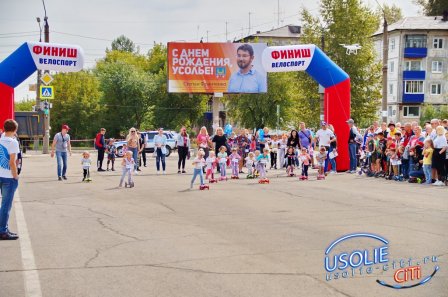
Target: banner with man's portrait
{"x": 216, "y": 68}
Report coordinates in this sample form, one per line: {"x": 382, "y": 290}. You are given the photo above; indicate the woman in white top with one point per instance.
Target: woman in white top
{"x": 160, "y": 150}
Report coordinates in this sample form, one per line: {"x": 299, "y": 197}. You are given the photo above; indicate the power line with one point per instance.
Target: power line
{"x": 15, "y": 33}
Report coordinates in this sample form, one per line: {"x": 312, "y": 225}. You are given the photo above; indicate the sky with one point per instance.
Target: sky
{"x": 93, "y": 24}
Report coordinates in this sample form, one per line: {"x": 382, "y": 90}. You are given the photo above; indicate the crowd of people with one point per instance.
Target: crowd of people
{"x": 401, "y": 152}
{"x": 405, "y": 152}
{"x": 394, "y": 151}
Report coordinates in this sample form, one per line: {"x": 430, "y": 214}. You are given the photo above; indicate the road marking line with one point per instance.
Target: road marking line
{"x": 30, "y": 273}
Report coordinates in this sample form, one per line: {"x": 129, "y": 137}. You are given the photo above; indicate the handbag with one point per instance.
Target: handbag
{"x": 333, "y": 154}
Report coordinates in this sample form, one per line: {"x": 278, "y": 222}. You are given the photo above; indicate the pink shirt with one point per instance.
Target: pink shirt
{"x": 203, "y": 140}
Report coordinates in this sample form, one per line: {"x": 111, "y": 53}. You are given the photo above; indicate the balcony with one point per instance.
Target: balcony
{"x": 414, "y": 75}
{"x": 415, "y": 52}
{"x": 413, "y": 98}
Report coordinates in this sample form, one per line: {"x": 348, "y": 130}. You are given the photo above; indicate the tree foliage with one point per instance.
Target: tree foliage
{"x": 123, "y": 44}
{"x": 393, "y": 13}
{"x": 430, "y": 112}
{"x": 126, "y": 97}
{"x": 433, "y": 7}
{"x": 24, "y": 105}
{"x": 259, "y": 110}
{"x": 348, "y": 22}
{"x": 77, "y": 103}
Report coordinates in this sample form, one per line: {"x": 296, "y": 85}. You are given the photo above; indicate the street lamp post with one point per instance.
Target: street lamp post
{"x": 46, "y": 142}
{"x": 385, "y": 58}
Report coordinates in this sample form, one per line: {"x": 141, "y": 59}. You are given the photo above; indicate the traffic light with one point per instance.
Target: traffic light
{"x": 46, "y": 105}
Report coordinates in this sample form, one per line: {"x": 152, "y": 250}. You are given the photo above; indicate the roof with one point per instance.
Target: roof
{"x": 416, "y": 23}
{"x": 288, "y": 31}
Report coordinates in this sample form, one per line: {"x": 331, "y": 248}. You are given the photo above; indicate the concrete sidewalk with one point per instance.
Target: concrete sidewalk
{"x": 239, "y": 238}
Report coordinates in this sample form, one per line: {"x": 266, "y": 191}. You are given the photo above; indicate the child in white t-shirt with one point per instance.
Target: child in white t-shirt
{"x": 86, "y": 162}
{"x": 198, "y": 164}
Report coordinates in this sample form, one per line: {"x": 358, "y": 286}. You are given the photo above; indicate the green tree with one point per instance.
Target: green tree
{"x": 126, "y": 95}
{"x": 24, "y": 105}
{"x": 430, "y": 112}
{"x": 433, "y": 7}
{"x": 348, "y": 22}
{"x": 393, "y": 13}
{"x": 259, "y": 110}
{"x": 123, "y": 44}
{"x": 77, "y": 103}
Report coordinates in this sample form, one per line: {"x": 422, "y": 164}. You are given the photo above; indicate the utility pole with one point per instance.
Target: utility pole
{"x": 36, "y": 138}
{"x": 249, "y": 23}
{"x": 278, "y": 13}
{"x": 385, "y": 68}
{"x": 46, "y": 142}
{"x": 321, "y": 88}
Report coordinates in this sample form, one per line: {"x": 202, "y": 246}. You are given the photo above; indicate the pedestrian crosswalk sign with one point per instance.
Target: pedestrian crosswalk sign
{"x": 46, "y": 92}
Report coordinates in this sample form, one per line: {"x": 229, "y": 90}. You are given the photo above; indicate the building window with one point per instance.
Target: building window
{"x": 392, "y": 43}
{"x": 391, "y": 89}
{"x": 411, "y": 111}
{"x": 436, "y": 67}
{"x": 416, "y": 41}
{"x": 392, "y": 67}
{"x": 389, "y": 111}
{"x": 413, "y": 87}
{"x": 436, "y": 89}
{"x": 438, "y": 43}
{"x": 413, "y": 65}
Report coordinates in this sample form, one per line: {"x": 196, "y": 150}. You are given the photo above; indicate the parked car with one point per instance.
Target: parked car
{"x": 149, "y": 148}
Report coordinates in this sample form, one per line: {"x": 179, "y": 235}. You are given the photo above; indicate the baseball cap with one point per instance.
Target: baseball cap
{"x": 393, "y": 146}
{"x": 65, "y": 126}
{"x": 323, "y": 123}
{"x": 370, "y": 135}
{"x": 350, "y": 121}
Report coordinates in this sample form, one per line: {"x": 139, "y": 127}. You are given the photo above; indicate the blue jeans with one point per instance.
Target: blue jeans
{"x": 197, "y": 172}
{"x": 134, "y": 151}
{"x": 405, "y": 168}
{"x": 160, "y": 158}
{"x": 332, "y": 161}
{"x": 61, "y": 157}
{"x": 427, "y": 171}
{"x": 352, "y": 152}
{"x": 8, "y": 186}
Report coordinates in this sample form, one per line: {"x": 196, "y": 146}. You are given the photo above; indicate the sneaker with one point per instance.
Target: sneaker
{"x": 135, "y": 172}
{"x": 183, "y": 171}
{"x": 84, "y": 179}
{"x": 163, "y": 172}
{"x": 64, "y": 177}
{"x": 138, "y": 169}
{"x": 438, "y": 183}
{"x": 178, "y": 171}
{"x": 8, "y": 236}
{"x": 101, "y": 170}
{"x": 59, "y": 177}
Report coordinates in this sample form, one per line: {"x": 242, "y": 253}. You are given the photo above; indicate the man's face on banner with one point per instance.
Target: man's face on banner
{"x": 244, "y": 59}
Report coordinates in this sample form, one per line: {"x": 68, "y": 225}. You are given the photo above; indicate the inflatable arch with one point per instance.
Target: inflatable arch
{"x": 28, "y": 58}
{"x": 312, "y": 60}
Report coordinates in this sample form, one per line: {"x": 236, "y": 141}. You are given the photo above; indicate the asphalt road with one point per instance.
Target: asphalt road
{"x": 237, "y": 239}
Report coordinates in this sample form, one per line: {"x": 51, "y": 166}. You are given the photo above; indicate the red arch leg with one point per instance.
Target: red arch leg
{"x": 6, "y": 103}
{"x": 337, "y": 112}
